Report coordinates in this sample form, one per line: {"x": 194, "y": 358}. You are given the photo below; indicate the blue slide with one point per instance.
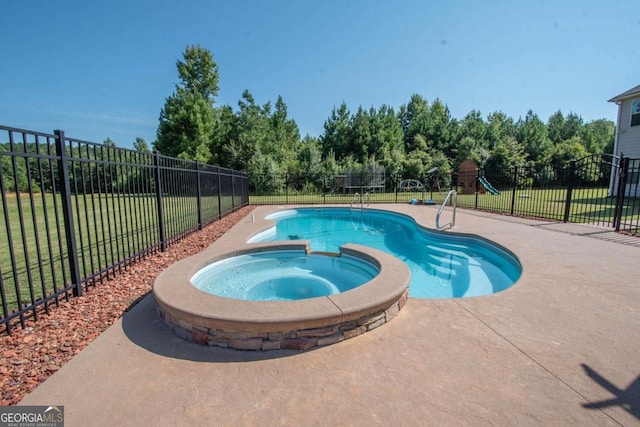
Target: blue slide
{"x": 487, "y": 185}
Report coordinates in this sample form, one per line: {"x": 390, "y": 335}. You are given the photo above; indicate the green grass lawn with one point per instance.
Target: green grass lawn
{"x": 109, "y": 229}
{"x": 588, "y": 205}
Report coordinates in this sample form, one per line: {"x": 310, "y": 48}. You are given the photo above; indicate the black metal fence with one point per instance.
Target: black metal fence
{"x": 74, "y": 213}
{"x": 598, "y": 189}
{"x": 325, "y": 188}
{"x": 595, "y": 190}
{"x": 628, "y": 211}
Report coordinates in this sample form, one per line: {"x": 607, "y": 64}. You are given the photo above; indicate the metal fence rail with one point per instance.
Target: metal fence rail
{"x": 628, "y": 213}
{"x": 585, "y": 190}
{"x": 74, "y": 213}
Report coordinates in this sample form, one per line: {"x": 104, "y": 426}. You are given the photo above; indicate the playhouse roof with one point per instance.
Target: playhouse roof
{"x": 468, "y": 165}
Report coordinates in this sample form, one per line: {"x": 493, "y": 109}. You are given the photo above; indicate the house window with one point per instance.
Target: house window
{"x": 635, "y": 112}
{"x": 633, "y": 177}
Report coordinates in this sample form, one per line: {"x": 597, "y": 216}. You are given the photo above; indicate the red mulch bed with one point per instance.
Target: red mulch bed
{"x": 29, "y": 356}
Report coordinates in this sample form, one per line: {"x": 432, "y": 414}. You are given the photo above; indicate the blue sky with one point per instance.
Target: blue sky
{"x": 98, "y": 69}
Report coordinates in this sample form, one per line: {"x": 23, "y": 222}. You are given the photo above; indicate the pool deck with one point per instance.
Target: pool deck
{"x": 561, "y": 347}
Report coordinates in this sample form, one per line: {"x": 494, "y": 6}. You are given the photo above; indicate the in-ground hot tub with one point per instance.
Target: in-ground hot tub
{"x": 209, "y": 319}
{"x": 283, "y": 275}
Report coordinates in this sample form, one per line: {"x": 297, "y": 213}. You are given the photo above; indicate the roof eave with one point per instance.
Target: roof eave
{"x": 625, "y": 95}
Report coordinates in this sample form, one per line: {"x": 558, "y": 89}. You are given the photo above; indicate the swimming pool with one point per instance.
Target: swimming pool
{"x": 442, "y": 265}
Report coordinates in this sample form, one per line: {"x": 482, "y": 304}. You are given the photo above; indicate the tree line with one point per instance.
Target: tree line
{"x": 265, "y": 142}
{"x": 419, "y": 136}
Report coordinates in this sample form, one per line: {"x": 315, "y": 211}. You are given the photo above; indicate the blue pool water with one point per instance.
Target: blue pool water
{"x": 443, "y": 265}
{"x": 283, "y": 275}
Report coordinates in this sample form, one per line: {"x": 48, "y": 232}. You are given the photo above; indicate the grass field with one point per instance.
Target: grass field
{"x": 588, "y": 205}
{"x": 109, "y": 229}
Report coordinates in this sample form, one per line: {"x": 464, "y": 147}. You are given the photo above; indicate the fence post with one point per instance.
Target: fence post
{"x": 622, "y": 186}
{"x": 515, "y": 187}
{"x": 233, "y": 191}
{"x": 324, "y": 193}
{"x": 286, "y": 188}
{"x": 199, "y": 195}
{"x": 219, "y": 193}
{"x": 67, "y": 209}
{"x": 161, "y": 230}
{"x": 395, "y": 181}
{"x": 247, "y": 188}
{"x": 324, "y": 189}
{"x": 476, "y": 186}
{"x": 245, "y": 195}
{"x": 567, "y": 203}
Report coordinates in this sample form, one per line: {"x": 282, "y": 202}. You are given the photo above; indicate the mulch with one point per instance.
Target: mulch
{"x": 29, "y": 356}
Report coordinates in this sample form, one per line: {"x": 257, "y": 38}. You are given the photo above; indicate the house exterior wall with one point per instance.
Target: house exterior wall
{"x": 628, "y": 136}
{"x": 627, "y": 142}
{"x": 629, "y": 145}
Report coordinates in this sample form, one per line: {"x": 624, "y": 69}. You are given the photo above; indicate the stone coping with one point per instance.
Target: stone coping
{"x": 260, "y": 325}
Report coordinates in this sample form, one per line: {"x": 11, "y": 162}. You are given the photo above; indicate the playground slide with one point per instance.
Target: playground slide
{"x": 487, "y": 185}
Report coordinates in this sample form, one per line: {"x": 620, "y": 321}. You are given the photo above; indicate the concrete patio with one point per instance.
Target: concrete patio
{"x": 561, "y": 347}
